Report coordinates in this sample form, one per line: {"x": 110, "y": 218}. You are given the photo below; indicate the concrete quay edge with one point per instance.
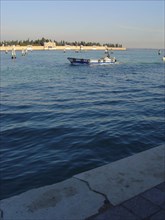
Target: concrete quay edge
{"x": 85, "y": 194}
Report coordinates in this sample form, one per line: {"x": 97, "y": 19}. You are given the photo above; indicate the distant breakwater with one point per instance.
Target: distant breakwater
{"x": 67, "y": 47}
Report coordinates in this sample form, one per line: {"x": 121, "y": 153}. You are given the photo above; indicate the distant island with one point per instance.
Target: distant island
{"x": 42, "y": 41}
{"x": 47, "y": 44}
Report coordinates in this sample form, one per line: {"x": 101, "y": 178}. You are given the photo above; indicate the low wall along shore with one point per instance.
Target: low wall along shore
{"x": 76, "y": 48}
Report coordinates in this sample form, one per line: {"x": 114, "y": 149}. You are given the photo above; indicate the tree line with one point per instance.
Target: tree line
{"x": 40, "y": 42}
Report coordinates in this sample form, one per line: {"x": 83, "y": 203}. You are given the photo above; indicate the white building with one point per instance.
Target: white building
{"x": 49, "y": 45}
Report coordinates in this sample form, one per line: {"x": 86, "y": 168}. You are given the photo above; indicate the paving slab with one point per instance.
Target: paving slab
{"x": 161, "y": 186}
{"x": 128, "y": 177}
{"x": 155, "y": 195}
{"x": 141, "y": 207}
{"x": 116, "y": 213}
{"x": 159, "y": 216}
{"x": 68, "y": 200}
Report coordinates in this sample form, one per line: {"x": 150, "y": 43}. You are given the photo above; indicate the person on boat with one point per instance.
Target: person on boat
{"x": 108, "y": 55}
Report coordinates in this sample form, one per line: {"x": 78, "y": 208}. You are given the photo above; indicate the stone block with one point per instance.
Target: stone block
{"x": 70, "y": 199}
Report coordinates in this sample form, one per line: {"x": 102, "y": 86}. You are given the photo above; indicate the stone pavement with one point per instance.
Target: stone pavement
{"x": 149, "y": 205}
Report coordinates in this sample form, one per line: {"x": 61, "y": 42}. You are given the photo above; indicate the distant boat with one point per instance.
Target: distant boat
{"x": 163, "y": 58}
{"x": 159, "y": 52}
{"x": 102, "y": 61}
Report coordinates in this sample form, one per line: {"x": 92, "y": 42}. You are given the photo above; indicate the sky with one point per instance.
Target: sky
{"x": 134, "y": 24}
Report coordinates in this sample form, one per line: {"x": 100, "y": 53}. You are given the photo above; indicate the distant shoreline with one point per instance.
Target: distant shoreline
{"x": 64, "y": 48}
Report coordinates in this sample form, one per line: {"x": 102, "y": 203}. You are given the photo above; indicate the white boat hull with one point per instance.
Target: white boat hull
{"x": 102, "y": 61}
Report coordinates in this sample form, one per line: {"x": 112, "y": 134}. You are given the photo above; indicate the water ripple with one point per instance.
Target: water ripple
{"x": 58, "y": 120}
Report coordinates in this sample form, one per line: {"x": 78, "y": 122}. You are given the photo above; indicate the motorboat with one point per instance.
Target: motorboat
{"x": 102, "y": 61}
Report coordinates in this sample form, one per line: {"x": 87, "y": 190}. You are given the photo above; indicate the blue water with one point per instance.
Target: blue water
{"x": 58, "y": 120}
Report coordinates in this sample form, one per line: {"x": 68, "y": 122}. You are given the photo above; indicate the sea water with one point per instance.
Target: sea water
{"x": 58, "y": 120}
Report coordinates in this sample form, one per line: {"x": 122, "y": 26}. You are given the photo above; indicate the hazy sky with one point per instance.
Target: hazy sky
{"x": 138, "y": 24}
